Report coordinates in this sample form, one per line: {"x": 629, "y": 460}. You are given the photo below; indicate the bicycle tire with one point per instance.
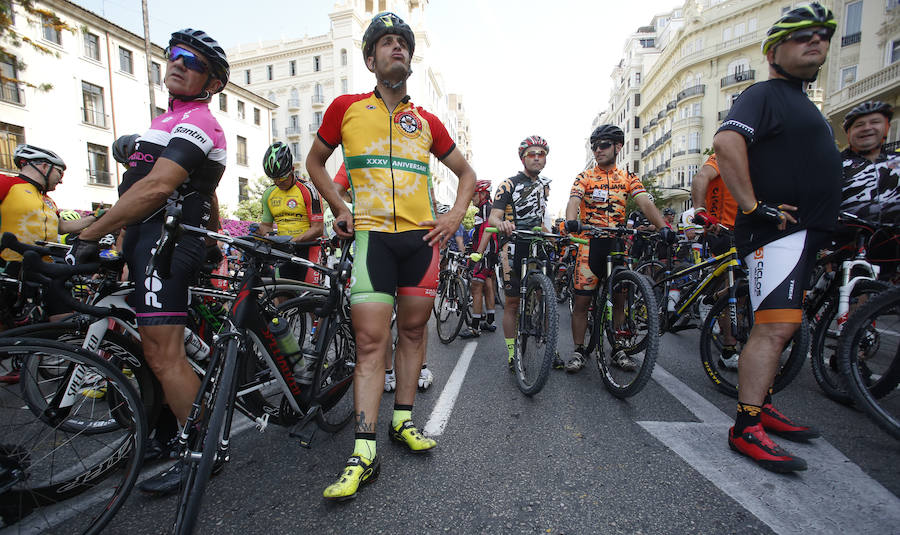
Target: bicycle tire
{"x": 873, "y": 330}
{"x": 58, "y": 464}
{"x": 449, "y": 309}
{"x": 726, "y": 380}
{"x": 335, "y": 380}
{"x": 824, "y": 343}
{"x": 639, "y": 316}
{"x": 561, "y": 283}
{"x": 538, "y": 331}
{"x": 208, "y": 434}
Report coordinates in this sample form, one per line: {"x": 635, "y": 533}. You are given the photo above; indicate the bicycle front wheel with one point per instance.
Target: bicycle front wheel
{"x": 629, "y": 318}
{"x": 335, "y": 379}
{"x": 46, "y": 459}
{"x": 538, "y": 331}
{"x": 869, "y": 357}
{"x": 449, "y": 308}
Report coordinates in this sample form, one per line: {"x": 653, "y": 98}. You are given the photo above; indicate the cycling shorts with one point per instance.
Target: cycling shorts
{"x": 159, "y": 301}
{"x": 779, "y": 274}
{"x": 484, "y": 269}
{"x": 389, "y": 263}
{"x": 289, "y": 270}
{"x": 512, "y": 255}
{"x": 590, "y": 265}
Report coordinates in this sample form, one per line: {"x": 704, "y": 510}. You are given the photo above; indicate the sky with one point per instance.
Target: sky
{"x": 523, "y": 67}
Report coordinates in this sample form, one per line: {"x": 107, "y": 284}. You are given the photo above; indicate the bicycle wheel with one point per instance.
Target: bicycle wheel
{"x": 561, "y": 283}
{"x": 538, "y": 331}
{"x": 869, "y": 357}
{"x": 714, "y": 334}
{"x": 627, "y": 354}
{"x": 450, "y": 309}
{"x": 335, "y": 379}
{"x": 217, "y": 390}
{"x": 44, "y": 462}
{"x": 824, "y": 344}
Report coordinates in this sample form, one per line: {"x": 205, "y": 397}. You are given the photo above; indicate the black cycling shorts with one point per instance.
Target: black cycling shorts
{"x": 389, "y": 263}
{"x": 779, "y": 275}
{"x": 590, "y": 266}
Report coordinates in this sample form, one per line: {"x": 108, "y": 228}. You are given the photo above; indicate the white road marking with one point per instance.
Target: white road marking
{"x": 440, "y": 415}
{"x": 832, "y": 496}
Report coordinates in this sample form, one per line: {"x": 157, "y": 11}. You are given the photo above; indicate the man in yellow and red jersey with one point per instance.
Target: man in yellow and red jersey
{"x": 295, "y": 207}
{"x": 599, "y": 195}
{"x": 387, "y": 146}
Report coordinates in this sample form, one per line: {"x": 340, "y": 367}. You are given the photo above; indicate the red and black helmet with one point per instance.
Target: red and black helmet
{"x": 482, "y": 185}
{"x": 533, "y": 141}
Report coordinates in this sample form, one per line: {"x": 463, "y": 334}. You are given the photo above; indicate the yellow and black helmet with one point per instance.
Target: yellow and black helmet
{"x": 811, "y": 16}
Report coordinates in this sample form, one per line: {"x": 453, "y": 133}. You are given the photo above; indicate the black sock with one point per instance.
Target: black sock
{"x": 490, "y": 318}
{"x": 747, "y": 416}
{"x": 476, "y": 322}
{"x": 768, "y": 400}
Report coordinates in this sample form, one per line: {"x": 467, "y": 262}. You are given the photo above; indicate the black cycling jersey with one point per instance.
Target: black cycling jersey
{"x": 524, "y": 199}
{"x": 793, "y": 160}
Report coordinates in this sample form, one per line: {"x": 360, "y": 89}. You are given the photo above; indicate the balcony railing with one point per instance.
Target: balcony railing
{"x": 292, "y": 131}
{"x": 691, "y": 92}
{"x": 314, "y": 127}
{"x": 242, "y": 158}
{"x": 653, "y": 123}
{"x": 661, "y": 114}
{"x": 693, "y": 151}
{"x": 678, "y": 153}
{"x": 851, "y": 39}
{"x": 696, "y": 120}
{"x": 738, "y": 77}
{"x": 94, "y": 117}
{"x": 12, "y": 93}
{"x": 293, "y": 103}
{"x": 98, "y": 177}
{"x": 671, "y": 105}
{"x": 645, "y": 130}
{"x": 723, "y": 114}
{"x": 318, "y": 100}
{"x": 868, "y": 86}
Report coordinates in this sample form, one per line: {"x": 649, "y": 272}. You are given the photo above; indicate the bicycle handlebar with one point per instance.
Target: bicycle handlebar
{"x": 10, "y": 241}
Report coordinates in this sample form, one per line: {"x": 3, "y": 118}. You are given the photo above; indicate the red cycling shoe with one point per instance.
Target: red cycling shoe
{"x": 756, "y": 444}
{"x": 774, "y": 422}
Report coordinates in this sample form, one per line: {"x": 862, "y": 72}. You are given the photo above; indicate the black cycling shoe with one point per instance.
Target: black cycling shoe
{"x": 169, "y": 481}
{"x": 158, "y": 450}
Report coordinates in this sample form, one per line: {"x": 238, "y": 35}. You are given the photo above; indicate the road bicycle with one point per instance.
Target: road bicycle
{"x": 452, "y": 303}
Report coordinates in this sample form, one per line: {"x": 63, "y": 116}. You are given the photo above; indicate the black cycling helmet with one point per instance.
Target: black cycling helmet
{"x": 123, "y": 147}
{"x": 608, "y": 131}
{"x": 668, "y": 211}
{"x": 868, "y": 108}
{"x": 383, "y": 24}
{"x": 209, "y": 47}
{"x": 278, "y": 162}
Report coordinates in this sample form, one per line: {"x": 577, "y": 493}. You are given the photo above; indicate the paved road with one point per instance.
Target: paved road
{"x": 572, "y": 459}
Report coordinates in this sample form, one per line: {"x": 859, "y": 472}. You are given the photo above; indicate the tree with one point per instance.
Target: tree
{"x": 654, "y": 191}
{"x": 9, "y": 37}
{"x": 251, "y": 209}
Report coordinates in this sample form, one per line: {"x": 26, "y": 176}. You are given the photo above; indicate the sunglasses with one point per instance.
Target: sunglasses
{"x": 190, "y": 60}
{"x": 603, "y": 145}
{"x": 805, "y": 36}
{"x": 536, "y": 154}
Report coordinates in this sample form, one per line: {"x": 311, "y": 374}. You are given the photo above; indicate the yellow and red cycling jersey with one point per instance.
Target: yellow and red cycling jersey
{"x": 292, "y": 210}
{"x": 719, "y": 202}
{"x": 27, "y": 213}
{"x": 603, "y": 195}
{"x": 387, "y": 155}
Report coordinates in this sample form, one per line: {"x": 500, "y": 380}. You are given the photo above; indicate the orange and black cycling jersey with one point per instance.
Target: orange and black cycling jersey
{"x": 387, "y": 155}
{"x": 603, "y": 195}
{"x": 719, "y": 202}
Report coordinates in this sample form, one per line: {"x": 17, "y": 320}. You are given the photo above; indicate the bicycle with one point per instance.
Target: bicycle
{"x": 451, "y": 306}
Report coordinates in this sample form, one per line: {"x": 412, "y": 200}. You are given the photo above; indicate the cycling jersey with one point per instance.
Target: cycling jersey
{"x": 603, "y": 194}
{"x": 292, "y": 210}
{"x": 873, "y": 191}
{"x": 190, "y": 136}
{"x": 523, "y": 199}
{"x": 792, "y": 156}
{"x": 854, "y": 163}
{"x": 387, "y": 158}
{"x": 719, "y": 202}
{"x": 26, "y": 212}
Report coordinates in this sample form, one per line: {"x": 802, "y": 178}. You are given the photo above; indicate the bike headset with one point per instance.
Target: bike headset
{"x": 25, "y": 154}
{"x": 811, "y": 16}
{"x": 210, "y": 49}
{"x": 382, "y": 24}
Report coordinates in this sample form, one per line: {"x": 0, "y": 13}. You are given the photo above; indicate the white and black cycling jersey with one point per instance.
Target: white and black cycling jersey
{"x": 873, "y": 191}
{"x": 523, "y": 199}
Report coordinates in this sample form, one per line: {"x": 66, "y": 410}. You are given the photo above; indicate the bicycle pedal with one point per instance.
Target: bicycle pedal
{"x": 262, "y": 422}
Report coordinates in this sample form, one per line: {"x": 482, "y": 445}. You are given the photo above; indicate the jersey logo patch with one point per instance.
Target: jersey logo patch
{"x": 292, "y": 203}
{"x": 371, "y": 107}
{"x": 409, "y": 125}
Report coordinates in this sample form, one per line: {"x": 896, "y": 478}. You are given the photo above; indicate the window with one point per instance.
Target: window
{"x": 247, "y": 77}
{"x": 343, "y": 57}
{"x": 317, "y": 119}
{"x": 292, "y": 67}
{"x": 637, "y": 121}
{"x": 256, "y": 116}
{"x": 751, "y": 25}
{"x": 126, "y": 61}
{"x": 241, "y": 150}
{"x": 848, "y": 75}
{"x": 155, "y": 73}
{"x": 853, "y": 19}
{"x": 9, "y": 90}
{"x": 295, "y": 149}
{"x": 270, "y": 72}
{"x": 726, "y": 34}
{"x": 691, "y": 171}
{"x": 10, "y": 136}
{"x": 159, "y": 111}
{"x": 274, "y": 127}
{"x": 50, "y": 31}
{"x": 694, "y": 141}
{"x": 893, "y": 51}
{"x": 637, "y": 143}
{"x": 223, "y": 102}
{"x": 344, "y": 87}
{"x": 294, "y": 123}
{"x": 636, "y": 166}
{"x": 98, "y": 165}
{"x": 695, "y": 109}
{"x": 93, "y": 112}
{"x": 637, "y": 77}
{"x": 241, "y": 112}
{"x": 317, "y": 63}
{"x": 242, "y": 189}
{"x": 739, "y": 29}
{"x": 637, "y": 99}
{"x": 91, "y": 46}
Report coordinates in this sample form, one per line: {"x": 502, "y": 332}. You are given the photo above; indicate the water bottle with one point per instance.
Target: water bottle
{"x": 704, "y": 308}
{"x": 674, "y": 294}
{"x": 194, "y": 346}
{"x": 288, "y": 345}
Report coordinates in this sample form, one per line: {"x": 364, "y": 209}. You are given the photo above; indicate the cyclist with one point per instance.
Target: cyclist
{"x": 786, "y": 210}
{"x": 295, "y": 207}
{"x": 397, "y": 233}
{"x": 598, "y": 198}
{"x": 638, "y": 221}
{"x": 866, "y": 126}
{"x": 178, "y": 161}
{"x": 520, "y": 203}
{"x": 483, "y": 278}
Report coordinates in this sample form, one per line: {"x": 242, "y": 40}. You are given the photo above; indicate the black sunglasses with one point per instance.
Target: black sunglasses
{"x": 191, "y": 60}
{"x": 804, "y": 36}
{"x": 603, "y": 145}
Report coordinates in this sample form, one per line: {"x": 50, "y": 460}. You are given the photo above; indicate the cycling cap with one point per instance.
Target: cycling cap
{"x": 123, "y": 147}
{"x": 208, "y": 47}
{"x": 69, "y": 215}
{"x": 383, "y": 24}
{"x": 533, "y": 141}
{"x": 608, "y": 131}
{"x": 811, "y": 16}
{"x": 278, "y": 161}
{"x": 867, "y": 108}
{"x": 29, "y": 153}
{"x": 482, "y": 185}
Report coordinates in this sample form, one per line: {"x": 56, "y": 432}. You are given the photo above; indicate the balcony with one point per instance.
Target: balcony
{"x": 697, "y": 90}
{"x": 94, "y": 117}
{"x": 97, "y": 177}
{"x": 693, "y": 151}
{"x": 12, "y": 93}
{"x": 738, "y": 78}
{"x": 292, "y": 131}
{"x": 671, "y": 105}
{"x": 645, "y": 130}
{"x": 696, "y": 120}
{"x": 867, "y": 88}
{"x": 661, "y": 114}
{"x": 667, "y": 164}
{"x": 314, "y": 127}
{"x": 653, "y": 123}
{"x": 318, "y": 100}
{"x": 851, "y": 39}
{"x": 723, "y": 114}
{"x": 293, "y": 104}
{"x": 678, "y": 153}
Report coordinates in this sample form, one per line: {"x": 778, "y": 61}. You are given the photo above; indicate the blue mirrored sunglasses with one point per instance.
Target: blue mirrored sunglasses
{"x": 190, "y": 60}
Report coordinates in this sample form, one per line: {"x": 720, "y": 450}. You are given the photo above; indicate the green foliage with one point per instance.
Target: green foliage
{"x": 249, "y": 210}
{"x": 652, "y": 189}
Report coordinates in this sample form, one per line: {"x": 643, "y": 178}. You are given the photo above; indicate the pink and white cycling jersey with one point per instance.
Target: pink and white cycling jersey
{"x": 190, "y": 136}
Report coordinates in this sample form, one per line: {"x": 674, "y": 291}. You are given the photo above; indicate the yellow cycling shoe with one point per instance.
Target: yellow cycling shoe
{"x": 358, "y": 472}
{"x": 407, "y": 433}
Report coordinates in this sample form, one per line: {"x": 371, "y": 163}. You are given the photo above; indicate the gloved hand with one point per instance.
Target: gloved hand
{"x": 573, "y": 225}
{"x": 668, "y": 235}
{"x": 82, "y": 252}
{"x": 766, "y": 212}
{"x": 705, "y": 219}
{"x": 476, "y": 257}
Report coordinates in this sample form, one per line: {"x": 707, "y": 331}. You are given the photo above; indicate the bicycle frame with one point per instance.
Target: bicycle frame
{"x": 726, "y": 263}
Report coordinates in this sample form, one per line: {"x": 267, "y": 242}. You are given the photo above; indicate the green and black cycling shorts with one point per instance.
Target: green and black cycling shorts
{"x": 393, "y": 263}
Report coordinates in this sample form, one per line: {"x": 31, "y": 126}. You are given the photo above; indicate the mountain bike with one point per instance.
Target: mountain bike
{"x": 451, "y": 306}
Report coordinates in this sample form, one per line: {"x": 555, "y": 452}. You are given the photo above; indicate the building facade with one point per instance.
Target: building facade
{"x": 303, "y": 75}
